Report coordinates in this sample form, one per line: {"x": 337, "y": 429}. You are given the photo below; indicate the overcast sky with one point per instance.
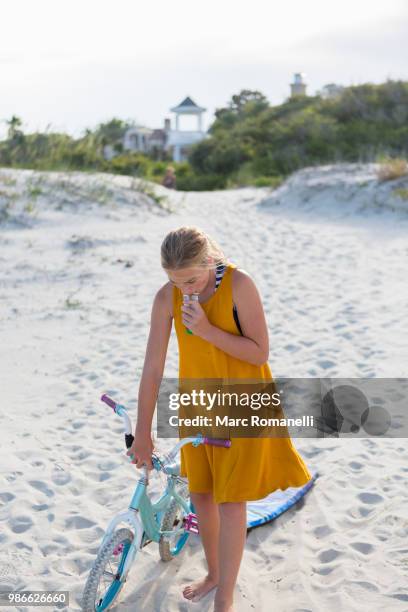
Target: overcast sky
{"x": 73, "y": 64}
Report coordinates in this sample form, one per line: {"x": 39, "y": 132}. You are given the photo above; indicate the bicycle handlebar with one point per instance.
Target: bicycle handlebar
{"x": 121, "y": 411}
{"x": 105, "y": 398}
{"x": 196, "y": 440}
{"x": 216, "y": 442}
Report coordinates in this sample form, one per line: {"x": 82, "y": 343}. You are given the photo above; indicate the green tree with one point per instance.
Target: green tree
{"x": 13, "y": 127}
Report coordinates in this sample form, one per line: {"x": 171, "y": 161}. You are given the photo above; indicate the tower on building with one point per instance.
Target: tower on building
{"x": 298, "y": 87}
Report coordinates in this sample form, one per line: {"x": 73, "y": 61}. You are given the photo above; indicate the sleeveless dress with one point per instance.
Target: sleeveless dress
{"x": 251, "y": 468}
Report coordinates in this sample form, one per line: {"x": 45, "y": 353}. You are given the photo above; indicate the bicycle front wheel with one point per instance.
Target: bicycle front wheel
{"x": 173, "y": 520}
{"x": 104, "y": 581}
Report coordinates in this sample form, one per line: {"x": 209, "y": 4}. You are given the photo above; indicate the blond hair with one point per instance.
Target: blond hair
{"x": 190, "y": 247}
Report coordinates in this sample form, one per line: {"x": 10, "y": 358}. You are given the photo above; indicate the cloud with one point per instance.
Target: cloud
{"x": 74, "y": 87}
{"x": 385, "y": 41}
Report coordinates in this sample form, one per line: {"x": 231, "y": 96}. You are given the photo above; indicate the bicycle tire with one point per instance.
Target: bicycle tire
{"x": 172, "y": 518}
{"x": 90, "y": 595}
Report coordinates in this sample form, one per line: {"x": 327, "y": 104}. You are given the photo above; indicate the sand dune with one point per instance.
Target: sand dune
{"x": 79, "y": 269}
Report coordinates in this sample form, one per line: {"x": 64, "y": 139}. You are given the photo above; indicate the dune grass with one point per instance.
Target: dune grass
{"x": 392, "y": 169}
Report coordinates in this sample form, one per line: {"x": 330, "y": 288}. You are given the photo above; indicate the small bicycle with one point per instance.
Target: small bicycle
{"x": 168, "y": 521}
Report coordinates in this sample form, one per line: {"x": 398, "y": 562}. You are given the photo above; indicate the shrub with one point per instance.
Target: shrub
{"x": 204, "y": 182}
{"x": 401, "y": 193}
{"x": 268, "y": 181}
{"x": 132, "y": 164}
{"x": 392, "y": 169}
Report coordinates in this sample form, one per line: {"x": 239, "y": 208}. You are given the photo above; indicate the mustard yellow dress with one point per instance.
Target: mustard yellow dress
{"x": 252, "y": 467}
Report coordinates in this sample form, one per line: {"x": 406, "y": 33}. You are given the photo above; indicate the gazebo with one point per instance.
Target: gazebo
{"x": 189, "y": 107}
{"x": 180, "y": 140}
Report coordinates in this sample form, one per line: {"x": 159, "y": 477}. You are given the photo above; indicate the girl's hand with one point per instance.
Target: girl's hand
{"x": 194, "y": 318}
{"x": 141, "y": 450}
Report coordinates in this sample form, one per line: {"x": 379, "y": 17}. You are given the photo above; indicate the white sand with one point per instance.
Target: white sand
{"x": 329, "y": 256}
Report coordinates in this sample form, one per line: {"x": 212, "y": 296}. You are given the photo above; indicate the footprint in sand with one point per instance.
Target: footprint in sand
{"x": 322, "y": 531}
{"x": 20, "y": 524}
{"x": 41, "y": 486}
{"x": 23, "y": 546}
{"x": 108, "y": 465}
{"x": 104, "y": 476}
{"x": 365, "y": 511}
{"x": 60, "y": 478}
{"x": 355, "y": 465}
{"x": 49, "y": 549}
{"x": 369, "y": 586}
{"x": 5, "y": 498}
{"x": 400, "y": 596}
{"x": 84, "y": 454}
{"x": 73, "y": 393}
{"x": 329, "y": 555}
{"x": 325, "y": 570}
{"x": 78, "y": 424}
{"x": 362, "y": 547}
{"x": 13, "y": 476}
{"x": 78, "y": 522}
{"x": 40, "y": 507}
{"x": 326, "y": 364}
{"x": 120, "y": 362}
{"x": 370, "y": 498}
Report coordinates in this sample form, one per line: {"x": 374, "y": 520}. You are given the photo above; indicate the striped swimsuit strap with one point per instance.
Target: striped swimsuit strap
{"x": 219, "y": 273}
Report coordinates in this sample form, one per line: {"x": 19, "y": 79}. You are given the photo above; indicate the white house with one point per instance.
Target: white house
{"x": 177, "y": 141}
{"x": 137, "y": 139}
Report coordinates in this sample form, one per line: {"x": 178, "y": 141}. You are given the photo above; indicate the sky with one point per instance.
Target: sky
{"x": 68, "y": 66}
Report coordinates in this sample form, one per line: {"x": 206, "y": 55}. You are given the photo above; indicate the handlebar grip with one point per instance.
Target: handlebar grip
{"x": 129, "y": 440}
{"x": 217, "y": 442}
{"x": 105, "y": 398}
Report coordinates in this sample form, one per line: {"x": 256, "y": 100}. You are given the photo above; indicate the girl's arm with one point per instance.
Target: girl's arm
{"x": 156, "y": 350}
{"x": 253, "y": 346}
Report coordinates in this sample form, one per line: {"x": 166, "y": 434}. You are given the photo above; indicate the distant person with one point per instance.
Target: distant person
{"x": 169, "y": 179}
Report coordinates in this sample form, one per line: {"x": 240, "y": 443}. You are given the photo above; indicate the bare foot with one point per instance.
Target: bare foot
{"x": 197, "y": 590}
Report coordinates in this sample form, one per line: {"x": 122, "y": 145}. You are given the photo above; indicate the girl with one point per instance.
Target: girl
{"x": 229, "y": 340}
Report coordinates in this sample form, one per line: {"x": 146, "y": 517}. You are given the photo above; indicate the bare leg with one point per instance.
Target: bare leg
{"x": 209, "y": 526}
{"x": 232, "y": 538}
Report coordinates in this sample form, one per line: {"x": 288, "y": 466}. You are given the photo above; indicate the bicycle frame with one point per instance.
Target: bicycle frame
{"x": 144, "y": 517}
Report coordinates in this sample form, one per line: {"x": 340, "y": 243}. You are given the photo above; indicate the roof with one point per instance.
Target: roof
{"x": 138, "y": 129}
{"x": 188, "y": 102}
{"x": 188, "y": 106}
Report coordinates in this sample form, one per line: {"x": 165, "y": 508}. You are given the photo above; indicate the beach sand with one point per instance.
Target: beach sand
{"x": 79, "y": 267}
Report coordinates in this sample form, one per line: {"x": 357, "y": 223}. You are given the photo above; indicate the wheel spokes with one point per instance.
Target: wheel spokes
{"x": 109, "y": 574}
